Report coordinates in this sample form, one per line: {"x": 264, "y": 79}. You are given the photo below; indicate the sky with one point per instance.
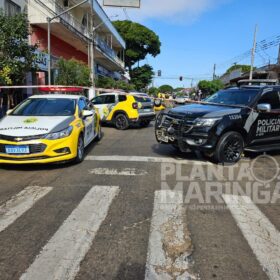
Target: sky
{"x": 196, "y": 34}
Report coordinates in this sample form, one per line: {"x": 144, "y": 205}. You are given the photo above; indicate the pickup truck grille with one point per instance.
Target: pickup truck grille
{"x": 179, "y": 124}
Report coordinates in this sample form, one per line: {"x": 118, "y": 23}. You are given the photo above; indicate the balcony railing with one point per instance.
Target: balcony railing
{"x": 103, "y": 46}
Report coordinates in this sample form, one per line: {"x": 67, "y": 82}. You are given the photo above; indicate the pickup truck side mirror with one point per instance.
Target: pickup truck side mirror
{"x": 264, "y": 107}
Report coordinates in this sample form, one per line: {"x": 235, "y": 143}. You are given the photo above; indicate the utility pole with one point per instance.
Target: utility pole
{"x": 253, "y": 53}
{"x": 214, "y": 72}
{"x": 91, "y": 50}
{"x": 278, "y": 59}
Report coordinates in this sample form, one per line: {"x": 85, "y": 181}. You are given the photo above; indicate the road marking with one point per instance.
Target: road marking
{"x": 260, "y": 233}
{"x": 169, "y": 243}
{"x": 61, "y": 256}
{"x": 146, "y": 159}
{"x": 114, "y": 172}
{"x": 20, "y": 203}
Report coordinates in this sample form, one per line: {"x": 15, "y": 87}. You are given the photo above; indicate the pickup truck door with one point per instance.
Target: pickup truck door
{"x": 266, "y": 128}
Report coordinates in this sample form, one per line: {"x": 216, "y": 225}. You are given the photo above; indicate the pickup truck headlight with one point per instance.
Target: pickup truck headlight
{"x": 206, "y": 122}
{"x": 60, "y": 134}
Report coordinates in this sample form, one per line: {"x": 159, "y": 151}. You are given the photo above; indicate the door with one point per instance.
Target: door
{"x": 104, "y": 104}
{"x": 88, "y": 121}
{"x": 266, "y": 129}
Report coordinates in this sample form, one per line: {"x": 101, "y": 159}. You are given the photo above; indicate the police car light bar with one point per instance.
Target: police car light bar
{"x": 259, "y": 82}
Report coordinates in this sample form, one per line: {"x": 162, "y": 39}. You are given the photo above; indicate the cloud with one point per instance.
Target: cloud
{"x": 185, "y": 11}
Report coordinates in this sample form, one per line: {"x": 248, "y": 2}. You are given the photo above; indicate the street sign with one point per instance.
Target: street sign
{"x": 122, "y": 3}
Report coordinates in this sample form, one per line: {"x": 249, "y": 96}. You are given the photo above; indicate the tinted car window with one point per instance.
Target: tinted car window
{"x": 98, "y": 100}
{"x": 122, "y": 98}
{"x": 46, "y": 107}
{"x": 233, "y": 97}
{"x": 272, "y": 98}
{"x": 109, "y": 99}
{"x": 142, "y": 99}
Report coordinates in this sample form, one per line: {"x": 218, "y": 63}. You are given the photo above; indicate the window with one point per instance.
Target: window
{"x": 104, "y": 99}
{"x": 11, "y": 8}
{"x": 109, "y": 99}
{"x": 272, "y": 98}
{"x": 82, "y": 104}
{"x": 122, "y": 98}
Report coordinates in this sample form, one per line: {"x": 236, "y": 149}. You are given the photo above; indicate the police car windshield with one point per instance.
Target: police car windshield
{"x": 46, "y": 107}
{"x": 233, "y": 97}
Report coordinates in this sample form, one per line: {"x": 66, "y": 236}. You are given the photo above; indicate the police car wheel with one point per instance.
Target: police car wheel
{"x": 230, "y": 148}
{"x": 99, "y": 134}
{"x": 80, "y": 150}
{"x": 121, "y": 122}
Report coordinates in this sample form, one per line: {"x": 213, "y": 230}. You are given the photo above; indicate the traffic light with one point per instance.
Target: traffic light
{"x": 181, "y": 78}
{"x": 159, "y": 73}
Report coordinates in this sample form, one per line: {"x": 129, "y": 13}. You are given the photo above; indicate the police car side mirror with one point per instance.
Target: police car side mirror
{"x": 87, "y": 113}
{"x": 264, "y": 107}
{"x": 9, "y": 112}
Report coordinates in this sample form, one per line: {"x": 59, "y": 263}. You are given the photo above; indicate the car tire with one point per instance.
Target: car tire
{"x": 80, "y": 150}
{"x": 99, "y": 134}
{"x": 121, "y": 122}
{"x": 229, "y": 148}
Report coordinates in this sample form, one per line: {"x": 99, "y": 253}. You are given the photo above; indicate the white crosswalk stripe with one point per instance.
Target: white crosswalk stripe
{"x": 116, "y": 172}
{"x": 260, "y": 233}
{"x": 60, "y": 258}
{"x": 19, "y": 204}
{"x": 169, "y": 242}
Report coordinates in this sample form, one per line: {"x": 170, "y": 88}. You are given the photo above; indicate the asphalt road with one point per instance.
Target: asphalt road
{"x": 119, "y": 215}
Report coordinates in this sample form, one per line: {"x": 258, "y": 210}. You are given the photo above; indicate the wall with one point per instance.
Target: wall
{"x": 58, "y": 47}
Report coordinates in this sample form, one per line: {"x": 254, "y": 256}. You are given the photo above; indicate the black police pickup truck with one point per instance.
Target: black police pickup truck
{"x": 225, "y": 124}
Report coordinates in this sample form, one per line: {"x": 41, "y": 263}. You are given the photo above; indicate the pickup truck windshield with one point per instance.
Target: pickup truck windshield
{"x": 233, "y": 97}
{"x": 46, "y": 107}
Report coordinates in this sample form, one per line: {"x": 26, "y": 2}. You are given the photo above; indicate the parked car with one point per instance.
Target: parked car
{"x": 48, "y": 128}
{"x": 225, "y": 124}
{"x": 122, "y": 110}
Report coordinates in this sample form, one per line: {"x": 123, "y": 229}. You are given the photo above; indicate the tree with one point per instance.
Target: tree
{"x": 166, "y": 89}
{"x": 105, "y": 82}
{"x": 72, "y": 72}
{"x": 140, "y": 41}
{"x": 142, "y": 76}
{"x": 153, "y": 91}
{"x": 16, "y": 56}
{"x": 210, "y": 87}
{"x": 244, "y": 68}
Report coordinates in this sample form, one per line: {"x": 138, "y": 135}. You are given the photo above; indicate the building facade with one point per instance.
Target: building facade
{"x": 71, "y": 34}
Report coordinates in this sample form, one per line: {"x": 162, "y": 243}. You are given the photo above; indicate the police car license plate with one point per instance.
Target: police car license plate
{"x": 24, "y": 149}
{"x": 161, "y": 135}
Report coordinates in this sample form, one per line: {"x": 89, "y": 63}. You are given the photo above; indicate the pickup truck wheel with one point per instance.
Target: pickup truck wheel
{"x": 121, "y": 122}
{"x": 229, "y": 148}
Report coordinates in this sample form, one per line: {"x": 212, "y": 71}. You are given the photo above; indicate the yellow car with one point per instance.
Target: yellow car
{"x": 48, "y": 128}
{"x": 122, "y": 109}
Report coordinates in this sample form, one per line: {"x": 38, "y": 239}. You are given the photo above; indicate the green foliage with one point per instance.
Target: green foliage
{"x": 244, "y": 68}
{"x": 210, "y": 87}
{"x": 16, "y": 56}
{"x": 140, "y": 41}
{"x": 109, "y": 83}
{"x": 178, "y": 89}
{"x": 153, "y": 91}
{"x": 166, "y": 89}
{"x": 142, "y": 76}
{"x": 72, "y": 73}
